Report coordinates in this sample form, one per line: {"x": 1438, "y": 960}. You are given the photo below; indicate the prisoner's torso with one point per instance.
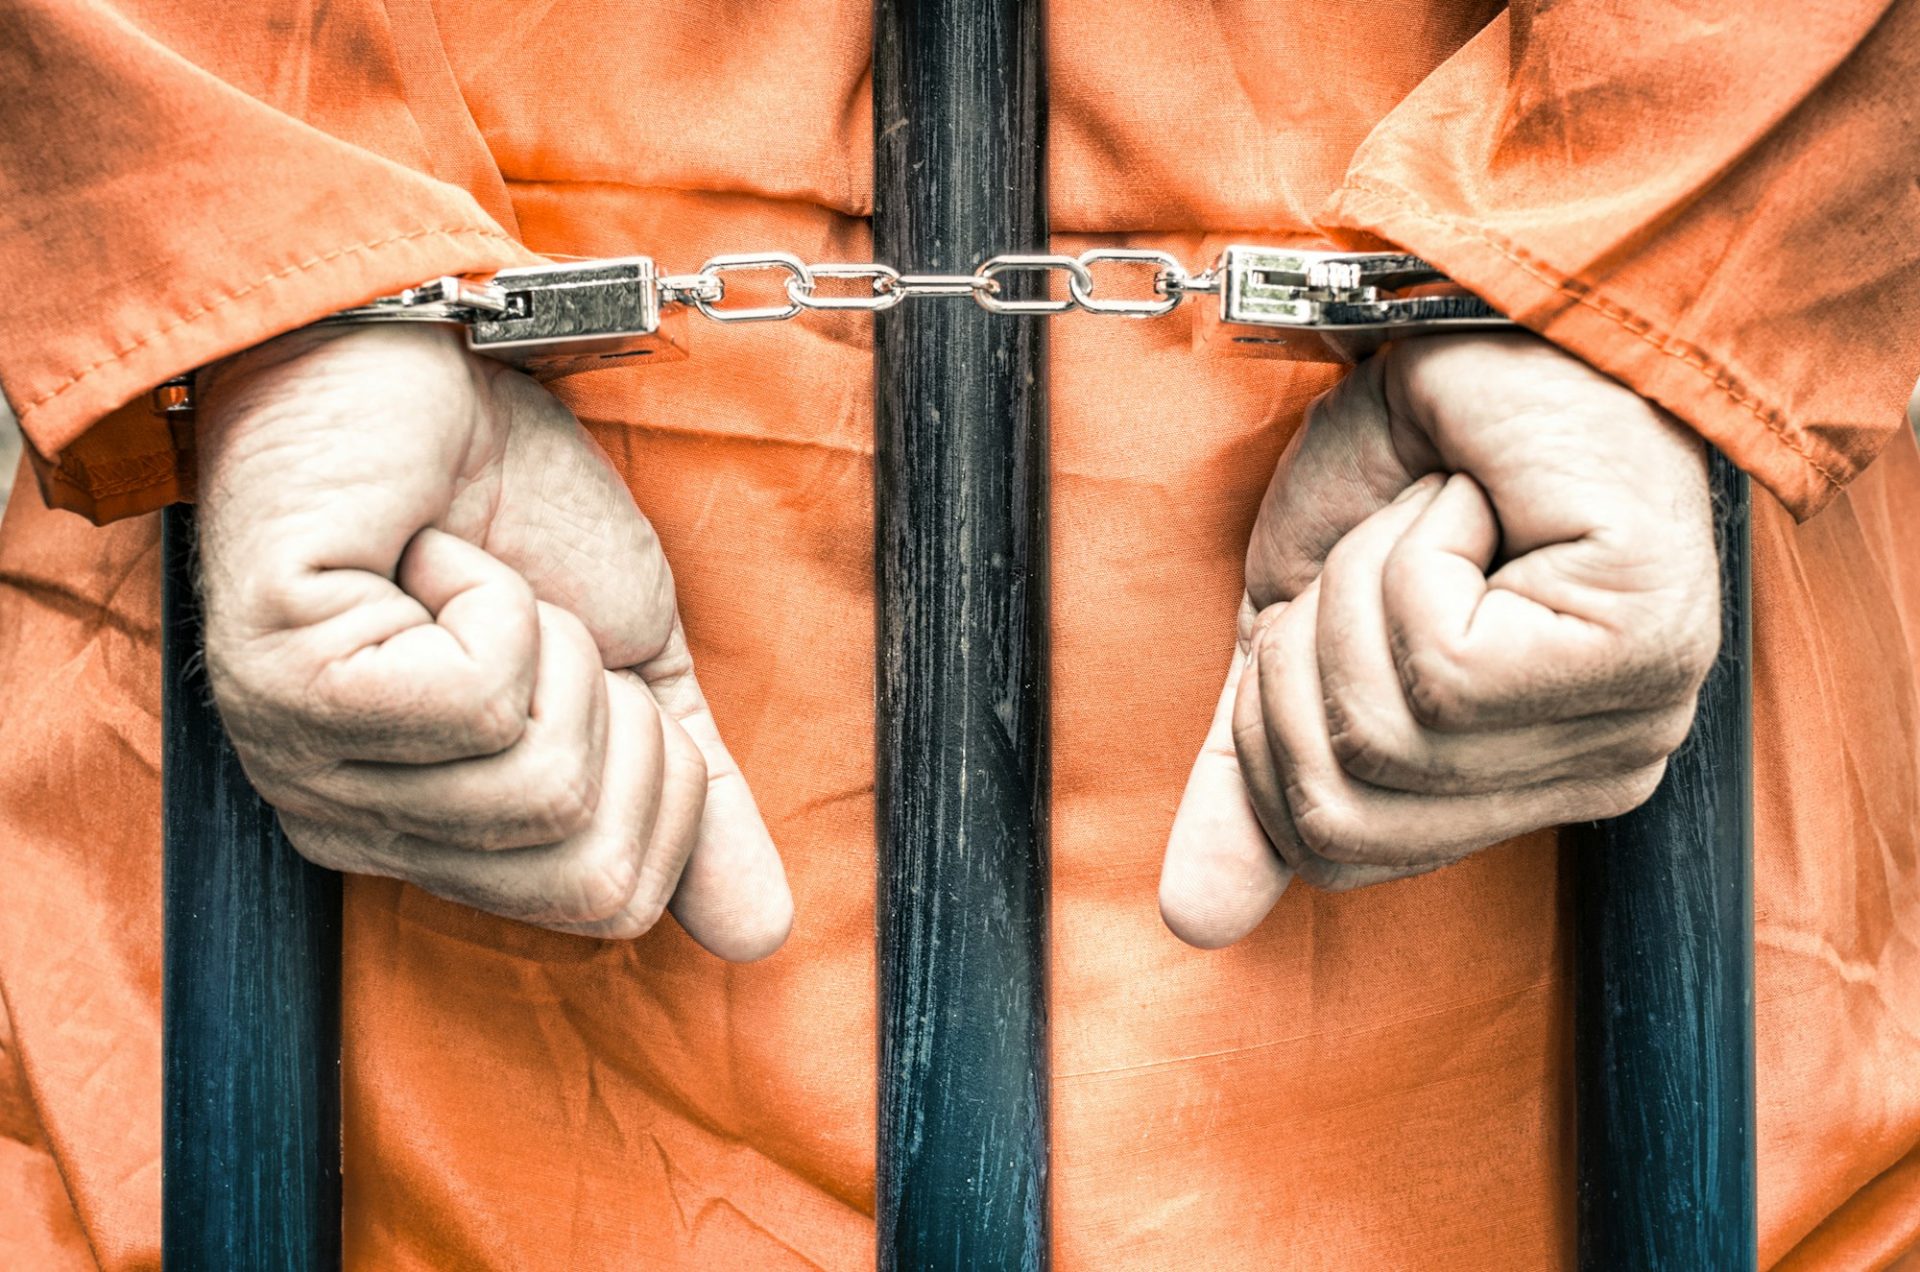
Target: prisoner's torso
{"x": 1377, "y": 1079}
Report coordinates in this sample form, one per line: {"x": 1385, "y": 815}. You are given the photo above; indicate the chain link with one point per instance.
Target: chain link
{"x": 883, "y": 289}
{"x": 1170, "y": 284}
{"x": 560, "y": 316}
{"x": 1017, "y": 263}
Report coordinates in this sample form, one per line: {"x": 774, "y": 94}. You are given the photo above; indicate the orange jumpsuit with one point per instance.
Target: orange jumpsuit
{"x": 1714, "y": 201}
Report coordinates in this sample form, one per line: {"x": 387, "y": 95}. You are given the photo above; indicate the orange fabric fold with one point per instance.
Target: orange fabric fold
{"x": 1707, "y": 202}
{"x": 177, "y": 185}
{"x": 1377, "y": 1079}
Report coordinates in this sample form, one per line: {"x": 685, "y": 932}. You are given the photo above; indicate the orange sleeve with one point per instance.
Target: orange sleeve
{"x": 181, "y": 181}
{"x": 1717, "y": 203}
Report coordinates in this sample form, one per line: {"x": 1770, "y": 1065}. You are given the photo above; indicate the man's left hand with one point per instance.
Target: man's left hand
{"x": 1482, "y": 596}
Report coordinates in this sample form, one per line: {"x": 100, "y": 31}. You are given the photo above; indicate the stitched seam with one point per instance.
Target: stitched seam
{"x": 224, "y": 298}
{"x": 1716, "y": 372}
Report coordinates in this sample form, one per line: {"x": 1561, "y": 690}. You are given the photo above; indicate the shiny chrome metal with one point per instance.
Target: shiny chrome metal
{"x": 795, "y": 268}
{"x": 1205, "y": 283}
{"x": 173, "y": 399}
{"x": 910, "y": 285}
{"x": 575, "y": 315}
{"x": 1355, "y": 301}
{"x": 462, "y": 293}
{"x": 401, "y": 308}
{"x": 1078, "y": 280}
{"x": 1169, "y": 275}
{"x": 684, "y": 289}
{"x": 884, "y": 279}
{"x": 549, "y": 320}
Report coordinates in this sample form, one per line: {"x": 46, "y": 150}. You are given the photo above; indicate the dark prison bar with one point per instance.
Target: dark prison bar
{"x": 250, "y": 990}
{"x": 1662, "y": 897}
{"x": 1663, "y": 978}
{"x": 959, "y": 120}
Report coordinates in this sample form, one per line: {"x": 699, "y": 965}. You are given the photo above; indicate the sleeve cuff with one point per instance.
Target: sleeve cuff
{"x": 96, "y": 448}
{"x": 1802, "y": 467}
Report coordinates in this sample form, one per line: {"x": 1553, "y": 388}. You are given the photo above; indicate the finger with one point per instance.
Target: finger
{"x": 1349, "y": 459}
{"x": 1373, "y": 729}
{"x": 592, "y": 881}
{"x": 1252, "y": 754}
{"x": 583, "y": 881}
{"x": 541, "y": 790}
{"x": 1473, "y": 653}
{"x": 439, "y": 668}
{"x": 733, "y": 898}
{"x": 679, "y": 788}
{"x": 1257, "y": 730}
{"x": 1220, "y": 875}
{"x": 587, "y": 882}
{"x": 569, "y": 524}
{"x": 1566, "y": 453}
{"x": 1350, "y": 822}
{"x": 303, "y": 477}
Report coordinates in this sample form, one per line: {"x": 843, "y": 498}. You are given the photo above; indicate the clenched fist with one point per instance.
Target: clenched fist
{"x": 1481, "y": 598}
{"x": 446, "y": 646}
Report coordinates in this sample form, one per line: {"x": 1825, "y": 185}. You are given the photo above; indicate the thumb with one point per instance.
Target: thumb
{"x": 1220, "y": 876}
{"x": 733, "y": 896}
{"x": 1350, "y": 458}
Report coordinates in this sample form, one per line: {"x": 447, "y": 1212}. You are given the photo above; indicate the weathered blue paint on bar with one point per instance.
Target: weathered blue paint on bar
{"x": 1663, "y": 1013}
{"x": 250, "y": 1166}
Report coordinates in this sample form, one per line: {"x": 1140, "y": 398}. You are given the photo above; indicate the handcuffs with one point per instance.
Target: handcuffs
{"x": 577, "y": 315}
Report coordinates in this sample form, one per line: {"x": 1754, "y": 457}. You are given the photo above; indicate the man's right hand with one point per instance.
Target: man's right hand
{"x": 445, "y": 643}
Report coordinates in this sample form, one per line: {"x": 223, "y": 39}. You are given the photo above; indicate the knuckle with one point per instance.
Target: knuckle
{"x": 1329, "y": 826}
{"x": 1676, "y": 653}
{"x": 344, "y": 849}
{"x": 597, "y": 888}
{"x": 256, "y": 695}
{"x": 498, "y": 720}
{"x": 562, "y": 801}
{"x": 1699, "y": 649}
{"x": 634, "y": 920}
{"x": 315, "y": 845}
{"x": 226, "y": 670}
{"x": 1670, "y": 731}
{"x": 1330, "y": 876}
{"x": 1363, "y": 745}
{"x": 1660, "y": 736}
{"x": 1622, "y": 795}
{"x": 289, "y": 798}
{"x": 266, "y": 599}
{"x": 1437, "y": 688}
{"x": 1634, "y": 790}
{"x": 269, "y": 780}
{"x": 324, "y": 857}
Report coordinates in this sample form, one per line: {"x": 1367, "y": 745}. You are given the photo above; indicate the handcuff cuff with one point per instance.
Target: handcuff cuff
{"x": 576, "y": 315}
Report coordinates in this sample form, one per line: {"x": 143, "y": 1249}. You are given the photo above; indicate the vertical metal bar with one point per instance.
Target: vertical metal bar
{"x": 250, "y": 1121}
{"x": 1663, "y": 1024}
{"x": 961, "y": 558}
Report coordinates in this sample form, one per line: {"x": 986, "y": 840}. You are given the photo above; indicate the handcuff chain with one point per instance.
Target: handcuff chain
{"x": 578, "y": 314}
{"x": 706, "y": 289}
